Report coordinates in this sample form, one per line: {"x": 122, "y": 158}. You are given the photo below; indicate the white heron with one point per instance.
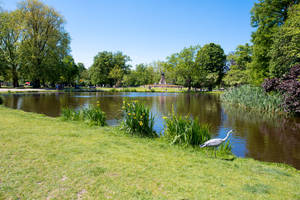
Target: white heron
{"x": 215, "y": 142}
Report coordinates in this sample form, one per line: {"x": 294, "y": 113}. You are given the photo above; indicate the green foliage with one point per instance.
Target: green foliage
{"x": 239, "y": 61}
{"x": 142, "y": 75}
{"x": 285, "y": 50}
{"x": 93, "y": 115}
{"x": 10, "y": 36}
{"x": 267, "y": 16}
{"x": 138, "y": 119}
{"x": 225, "y": 147}
{"x": 252, "y": 97}
{"x": 109, "y": 68}
{"x": 69, "y": 70}
{"x": 211, "y": 61}
{"x": 184, "y": 131}
{"x": 184, "y": 66}
{"x": 44, "y": 41}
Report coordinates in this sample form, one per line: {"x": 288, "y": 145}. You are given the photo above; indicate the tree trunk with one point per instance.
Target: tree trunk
{"x": 15, "y": 77}
{"x": 36, "y": 83}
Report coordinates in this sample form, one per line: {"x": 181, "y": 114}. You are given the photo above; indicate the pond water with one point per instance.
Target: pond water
{"x": 255, "y": 134}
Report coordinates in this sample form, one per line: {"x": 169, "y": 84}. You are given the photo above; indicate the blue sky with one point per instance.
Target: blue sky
{"x": 150, "y": 30}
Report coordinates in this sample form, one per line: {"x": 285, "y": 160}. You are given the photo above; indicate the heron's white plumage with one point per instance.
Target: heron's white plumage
{"x": 215, "y": 142}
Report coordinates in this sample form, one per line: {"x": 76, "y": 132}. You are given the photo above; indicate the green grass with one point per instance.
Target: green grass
{"x": 47, "y": 158}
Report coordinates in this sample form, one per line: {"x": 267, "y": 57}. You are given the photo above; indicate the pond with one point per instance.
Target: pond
{"x": 257, "y": 135}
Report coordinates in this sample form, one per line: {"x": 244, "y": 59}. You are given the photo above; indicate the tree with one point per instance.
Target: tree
{"x": 43, "y": 39}
{"x": 239, "y": 62}
{"x": 267, "y": 16}
{"x": 285, "y": 50}
{"x": 184, "y": 65}
{"x": 104, "y": 63}
{"x": 10, "y": 35}
{"x": 69, "y": 70}
{"x": 211, "y": 64}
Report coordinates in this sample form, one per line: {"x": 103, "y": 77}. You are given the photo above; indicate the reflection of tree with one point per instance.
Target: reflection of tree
{"x": 203, "y": 106}
{"x": 269, "y": 137}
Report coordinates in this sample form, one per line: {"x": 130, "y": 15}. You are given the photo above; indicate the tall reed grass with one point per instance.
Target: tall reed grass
{"x": 254, "y": 98}
{"x": 93, "y": 115}
{"x": 185, "y": 131}
{"x": 138, "y": 119}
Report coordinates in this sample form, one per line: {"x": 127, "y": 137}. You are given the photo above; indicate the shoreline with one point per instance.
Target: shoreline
{"x": 40, "y": 154}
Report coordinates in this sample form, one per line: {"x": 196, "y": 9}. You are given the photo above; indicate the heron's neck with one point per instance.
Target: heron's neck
{"x": 226, "y": 136}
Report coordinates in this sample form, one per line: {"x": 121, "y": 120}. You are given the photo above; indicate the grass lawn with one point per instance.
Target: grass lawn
{"x": 47, "y": 158}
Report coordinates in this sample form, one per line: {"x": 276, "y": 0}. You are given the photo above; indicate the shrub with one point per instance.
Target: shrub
{"x": 138, "y": 119}
{"x": 93, "y": 115}
{"x": 184, "y": 131}
{"x": 253, "y": 97}
{"x": 1, "y": 100}
{"x": 289, "y": 86}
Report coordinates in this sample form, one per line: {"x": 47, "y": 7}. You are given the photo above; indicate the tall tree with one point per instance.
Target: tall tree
{"x": 267, "y": 16}
{"x": 10, "y": 35}
{"x": 211, "y": 61}
{"x": 184, "y": 65}
{"x": 285, "y": 51}
{"x": 104, "y": 63}
{"x": 238, "y": 66}
{"x": 44, "y": 34}
{"x": 69, "y": 70}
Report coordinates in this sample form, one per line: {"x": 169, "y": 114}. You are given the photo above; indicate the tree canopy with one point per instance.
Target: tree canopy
{"x": 109, "y": 68}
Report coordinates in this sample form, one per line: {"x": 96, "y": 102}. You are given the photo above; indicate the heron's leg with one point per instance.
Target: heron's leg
{"x": 215, "y": 152}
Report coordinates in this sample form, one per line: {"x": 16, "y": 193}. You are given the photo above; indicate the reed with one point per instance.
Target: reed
{"x": 93, "y": 115}
{"x": 185, "y": 131}
{"x": 251, "y": 97}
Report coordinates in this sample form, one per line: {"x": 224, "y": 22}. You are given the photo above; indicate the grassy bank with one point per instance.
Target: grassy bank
{"x": 47, "y": 158}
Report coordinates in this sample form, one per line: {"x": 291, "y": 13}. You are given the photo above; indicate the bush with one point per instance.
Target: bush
{"x": 93, "y": 115}
{"x": 184, "y": 131}
{"x": 70, "y": 114}
{"x": 138, "y": 119}
{"x": 1, "y": 100}
{"x": 254, "y": 97}
{"x": 289, "y": 86}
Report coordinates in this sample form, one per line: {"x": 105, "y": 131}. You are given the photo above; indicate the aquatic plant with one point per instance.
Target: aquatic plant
{"x": 252, "y": 97}
{"x": 185, "y": 131}
{"x": 225, "y": 147}
{"x": 137, "y": 119}
{"x": 92, "y": 115}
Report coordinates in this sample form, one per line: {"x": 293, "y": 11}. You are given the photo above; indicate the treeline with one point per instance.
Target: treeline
{"x": 276, "y": 44}
{"x": 192, "y": 67}
{"x": 35, "y": 47}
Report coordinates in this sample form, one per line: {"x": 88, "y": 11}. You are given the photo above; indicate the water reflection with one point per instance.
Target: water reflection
{"x": 256, "y": 135}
